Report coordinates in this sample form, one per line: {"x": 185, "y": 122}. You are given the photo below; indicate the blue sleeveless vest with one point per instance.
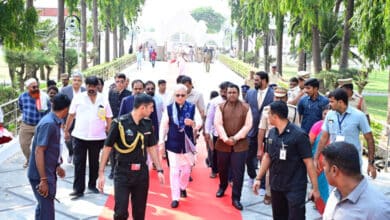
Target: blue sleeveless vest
{"x": 175, "y": 138}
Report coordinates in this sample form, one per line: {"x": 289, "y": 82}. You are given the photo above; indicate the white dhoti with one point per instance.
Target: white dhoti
{"x": 180, "y": 170}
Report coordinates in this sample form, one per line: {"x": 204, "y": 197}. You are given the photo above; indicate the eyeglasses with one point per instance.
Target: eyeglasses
{"x": 180, "y": 95}
{"x": 119, "y": 81}
{"x": 34, "y": 87}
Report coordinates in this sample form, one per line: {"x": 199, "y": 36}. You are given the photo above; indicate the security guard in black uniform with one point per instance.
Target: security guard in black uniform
{"x": 132, "y": 137}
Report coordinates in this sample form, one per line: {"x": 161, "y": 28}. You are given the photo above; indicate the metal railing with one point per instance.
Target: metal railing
{"x": 12, "y": 116}
{"x": 385, "y": 147}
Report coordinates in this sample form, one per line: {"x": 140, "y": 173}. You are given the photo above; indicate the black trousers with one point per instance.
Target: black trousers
{"x": 113, "y": 160}
{"x": 128, "y": 182}
{"x": 212, "y": 157}
{"x": 235, "y": 161}
{"x": 251, "y": 161}
{"x": 81, "y": 148}
{"x": 288, "y": 205}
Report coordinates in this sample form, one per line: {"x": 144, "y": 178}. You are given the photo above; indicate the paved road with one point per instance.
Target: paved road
{"x": 17, "y": 201}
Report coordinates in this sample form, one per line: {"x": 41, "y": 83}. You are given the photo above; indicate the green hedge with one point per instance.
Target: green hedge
{"x": 236, "y": 65}
{"x": 107, "y": 70}
{"x": 7, "y": 93}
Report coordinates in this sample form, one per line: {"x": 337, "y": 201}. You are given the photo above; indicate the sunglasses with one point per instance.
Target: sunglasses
{"x": 180, "y": 95}
{"x": 34, "y": 87}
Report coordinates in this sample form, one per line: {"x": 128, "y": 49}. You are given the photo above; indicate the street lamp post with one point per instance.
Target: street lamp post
{"x": 72, "y": 25}
{"x": 230, "y": 31}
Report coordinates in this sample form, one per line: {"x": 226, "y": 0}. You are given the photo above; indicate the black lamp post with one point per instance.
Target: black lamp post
{"x": 73, "y": 20}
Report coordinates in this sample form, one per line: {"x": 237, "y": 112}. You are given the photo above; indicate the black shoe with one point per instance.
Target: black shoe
{"x": 76, "y": 195}
{"x": 93, "y": 190}
{"x": 111, "y": 176}
{"x": 220, "y": 193}
{"x": 208, "y": 162}
{"x": 190, "y": 179}
{"x": 183, "y": 193}
{"x": 237, "y": 204}
{"x": 175, "y": 204}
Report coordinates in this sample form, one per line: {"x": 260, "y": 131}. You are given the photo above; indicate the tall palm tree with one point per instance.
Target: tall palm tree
{"x": 83, "y": 5}
{"x": 61, "y": 29}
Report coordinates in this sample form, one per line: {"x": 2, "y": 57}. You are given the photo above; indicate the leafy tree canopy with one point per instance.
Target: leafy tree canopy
{"x": 213, "y": 19}
{"x": 17, "y": 24}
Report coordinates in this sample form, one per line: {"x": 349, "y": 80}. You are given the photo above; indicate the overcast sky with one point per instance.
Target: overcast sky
{"x": 161, "y": 9}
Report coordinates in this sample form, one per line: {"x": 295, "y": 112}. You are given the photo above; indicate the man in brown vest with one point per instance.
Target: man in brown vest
{"x": 233, "y": 120}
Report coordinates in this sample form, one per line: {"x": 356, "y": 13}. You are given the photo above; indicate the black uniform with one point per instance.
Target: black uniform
{"x": 288, "y": 176}
{"x": 131, "y": 175}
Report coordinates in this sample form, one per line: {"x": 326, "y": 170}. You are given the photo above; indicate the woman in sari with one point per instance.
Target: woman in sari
{"x": 323, "y": 186}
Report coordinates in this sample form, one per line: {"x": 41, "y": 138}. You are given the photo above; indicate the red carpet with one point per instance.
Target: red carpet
{"x": 200, "y": 203}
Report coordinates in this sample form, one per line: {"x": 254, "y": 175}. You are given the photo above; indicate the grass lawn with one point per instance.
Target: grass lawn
{"x": 377, "y": 107}
{"x": 377, "y": 81}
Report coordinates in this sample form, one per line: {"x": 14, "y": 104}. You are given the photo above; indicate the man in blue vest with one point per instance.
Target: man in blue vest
{"x": 176, "y": 127}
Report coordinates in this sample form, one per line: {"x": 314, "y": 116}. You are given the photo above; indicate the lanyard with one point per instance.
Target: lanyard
{"x": 341, "y": 121}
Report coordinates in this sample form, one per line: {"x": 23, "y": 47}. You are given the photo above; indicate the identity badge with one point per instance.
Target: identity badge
{"x": 283, "y": 154}
{"x": 135, "y": 166}
{"x": 340, "y": 138}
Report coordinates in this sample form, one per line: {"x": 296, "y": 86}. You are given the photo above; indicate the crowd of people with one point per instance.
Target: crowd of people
{"x": 292, "y": 133}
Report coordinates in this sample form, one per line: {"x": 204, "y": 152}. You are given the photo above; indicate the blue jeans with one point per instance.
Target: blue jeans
{"x": 45, "y": 206}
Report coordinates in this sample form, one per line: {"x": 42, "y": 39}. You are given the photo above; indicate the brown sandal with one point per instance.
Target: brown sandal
{"x": 267, "y": 199}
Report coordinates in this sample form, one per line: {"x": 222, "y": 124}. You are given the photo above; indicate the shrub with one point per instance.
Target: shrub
{"x": 236, "y": 65}
{"x": 7, "y": 93}
{"x": 106, "y": 70}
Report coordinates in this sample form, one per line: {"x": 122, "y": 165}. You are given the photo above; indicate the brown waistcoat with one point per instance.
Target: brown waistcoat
{"x": 233, "y": 117}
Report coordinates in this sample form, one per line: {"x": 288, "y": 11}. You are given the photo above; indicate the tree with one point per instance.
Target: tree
{"x": 17, "y": 24}
{"x": 96, "y": 35}
{"x": 373, "y": 31}
{"x": 330, "y": 39}
{"x": 84, "y": 64}
{"x": 18, "y": 61}
{"x": 61, "y": 30}
{"x": 347, "y": 35}
{"x": 213, "y": 19}
{"x": 235, "y": 18}
{"x": 70, "y": 59}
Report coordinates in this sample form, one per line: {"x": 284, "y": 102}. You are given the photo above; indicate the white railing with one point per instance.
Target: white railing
{"x": 12, "y": 116}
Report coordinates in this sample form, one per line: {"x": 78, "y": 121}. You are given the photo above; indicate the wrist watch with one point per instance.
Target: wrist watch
{"x": 371, "y": 162}
{"x": 160, "y": 171}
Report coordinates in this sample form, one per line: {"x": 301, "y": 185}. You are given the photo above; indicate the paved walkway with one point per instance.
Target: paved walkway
{"x": 17, "y": 201}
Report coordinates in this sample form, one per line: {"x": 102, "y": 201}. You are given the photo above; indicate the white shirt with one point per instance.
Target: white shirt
{"x": 293, "y": 93}
{"x": 160, "y": 107}
{"x": 263, "y": 93}
{"x": 166, "y": 98}
{"x": 90, "y": 117}
{"x": 196, "y": 98}
{"x": 210, "y": 115}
